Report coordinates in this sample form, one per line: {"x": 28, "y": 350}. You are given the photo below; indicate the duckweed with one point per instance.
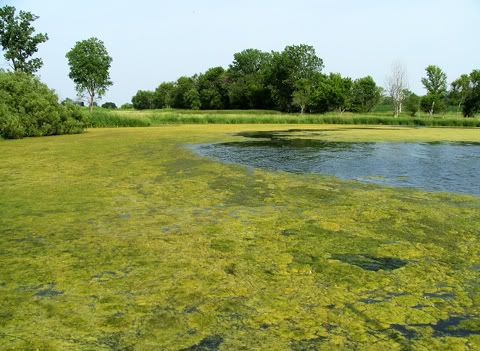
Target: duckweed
{"x": 123, "y": 239}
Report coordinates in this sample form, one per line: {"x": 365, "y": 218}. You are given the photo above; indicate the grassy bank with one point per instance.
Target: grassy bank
{"x": 129, "y": 118}
{"x": 123, "y": 239}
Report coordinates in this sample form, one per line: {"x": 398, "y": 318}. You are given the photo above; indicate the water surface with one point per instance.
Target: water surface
{"x": 445, "y": 166}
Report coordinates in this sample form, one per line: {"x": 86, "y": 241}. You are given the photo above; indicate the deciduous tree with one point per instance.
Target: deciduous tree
{"x": 365, "y": 94}
{"x": 436, "y": 85}
{"x": 89, "y": 64}
{"x": 19, "y": 41}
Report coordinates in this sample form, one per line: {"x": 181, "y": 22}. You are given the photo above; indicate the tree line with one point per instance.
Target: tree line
{"x": 292, "y": 81}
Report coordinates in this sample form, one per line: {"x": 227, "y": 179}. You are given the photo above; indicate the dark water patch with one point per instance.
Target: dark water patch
{"x": 406, "y": 332}
{"x": 210, "y": 343}
{"x": 379, "y": 297}
{"x": 289, "y": 232}
{"x": 440, "y": 295}
{"x": 190, "y": 309}
{"x": 455, "y": 326}
{"x": 369, "y": 301}
{"x": 371, "y": 263}
{"x": 49, "y": 291}
{"x": 443, "y": 166}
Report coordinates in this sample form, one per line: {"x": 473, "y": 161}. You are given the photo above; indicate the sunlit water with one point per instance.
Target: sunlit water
{"x": 451, "y": 167}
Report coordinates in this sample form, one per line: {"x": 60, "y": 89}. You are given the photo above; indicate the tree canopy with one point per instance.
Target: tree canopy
{"x": 19, "y": 41}
{"x": 89, "y": 64}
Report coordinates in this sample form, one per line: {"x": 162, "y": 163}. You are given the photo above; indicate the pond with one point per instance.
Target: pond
{"x": 439, "y": 166}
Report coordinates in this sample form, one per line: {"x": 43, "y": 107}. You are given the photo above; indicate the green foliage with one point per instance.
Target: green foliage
{"x": 459, "y": 91}
{"x": 433, "y": 104}
{"x": 436, "y": 81}
{"x": 182, "y": 87}
{"x": 89, "y": 64}
{"x": 365, "y": 95}
{"x": 126, "y": 106}
{"x": 247, "y": 75}
{"x": 192, "y": 99}
{"x": 169, "y": 116}
{"x": 110, "y": 105}
{"x": 332, "y": 93}
{"x": 412, "y": 104}
{"x": 471, "y": 104}
{"x": 143, "y": 100}
{"x": 302, "y": 95}
{"x": 29, "y": 108}
{"x": 164, "y": 95}
{"x": 294, "y": 63}
{"x": 436, "y": 85}
{"x": 212, "y": 89}
{"x": 99, "y": 118}
{"x": 19, "y": 41}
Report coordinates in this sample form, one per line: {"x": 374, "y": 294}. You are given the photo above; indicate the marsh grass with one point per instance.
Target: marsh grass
{"x": 129, "y": 118}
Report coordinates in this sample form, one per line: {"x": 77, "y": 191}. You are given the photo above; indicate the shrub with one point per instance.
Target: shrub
{"x": 29, "y": 108}
{"x": 412, "y": 104}
{"x": 433, "y": 104}
{"x": 110, "y": 105}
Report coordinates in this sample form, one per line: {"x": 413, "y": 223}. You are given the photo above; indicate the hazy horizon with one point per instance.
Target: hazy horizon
{"x": 152, "y": 42}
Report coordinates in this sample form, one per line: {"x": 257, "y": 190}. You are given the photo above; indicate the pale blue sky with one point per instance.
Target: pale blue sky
{"x": 155, "y": 41}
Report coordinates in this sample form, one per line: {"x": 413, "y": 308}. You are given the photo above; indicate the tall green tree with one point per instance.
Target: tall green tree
{"x": 459, "y": 91}
{"x": 19, "y": 41}
{"x": 212, "y": 88}
{"x": 89, "y": 63}
{"x": 333, "y": 93}
{"x": 294, "y": 63}
{"x": 179, "y": 94}
{"x": 412, "y": 102}
{"x": 303, "y": 94}
{"x": 143, "y": 100}
{"x": 365, "y": 94}
{"x": 435, "y": 83}
{"x": 471, "y": 105}
{"x": 246, "y": 86}
{"x": 164, "y": 95}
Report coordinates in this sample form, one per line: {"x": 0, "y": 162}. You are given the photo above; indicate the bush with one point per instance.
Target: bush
{"x": 29, "y": 108}
{"x": 412, "y": 104}
{"x": 110, "y": 105}
{"x": 126, "y": 106}
{"x": 433, "y": 104}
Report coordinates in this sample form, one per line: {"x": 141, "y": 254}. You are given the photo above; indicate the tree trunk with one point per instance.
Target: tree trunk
{"x": 91, "y": 102}
{"x": 431, "y": 110}
{"x": 302, "y": 109}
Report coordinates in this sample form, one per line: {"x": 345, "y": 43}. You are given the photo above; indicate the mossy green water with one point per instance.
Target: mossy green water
{"x": 122, "y": 239}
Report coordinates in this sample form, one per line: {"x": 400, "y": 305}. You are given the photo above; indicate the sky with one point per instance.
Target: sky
{"x": 155, "y": 41}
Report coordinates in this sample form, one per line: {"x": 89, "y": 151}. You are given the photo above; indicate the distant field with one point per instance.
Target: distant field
{"x": 132, "y": 118}
{"x": 123, "y": 239}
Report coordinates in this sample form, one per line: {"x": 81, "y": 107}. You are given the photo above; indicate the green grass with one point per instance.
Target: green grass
{"x": 130, "y": 118}
{"x": 122, "y": 239}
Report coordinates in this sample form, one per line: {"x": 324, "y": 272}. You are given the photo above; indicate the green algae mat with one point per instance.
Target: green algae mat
{"x": 124, "y": 239}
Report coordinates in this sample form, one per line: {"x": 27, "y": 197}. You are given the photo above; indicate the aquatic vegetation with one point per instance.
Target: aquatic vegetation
{"x": 124, "y": 239}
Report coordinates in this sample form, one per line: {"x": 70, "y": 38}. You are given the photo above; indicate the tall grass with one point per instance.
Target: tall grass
{"x": 101, "y": 118}
{"x": 118, "y": 118}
